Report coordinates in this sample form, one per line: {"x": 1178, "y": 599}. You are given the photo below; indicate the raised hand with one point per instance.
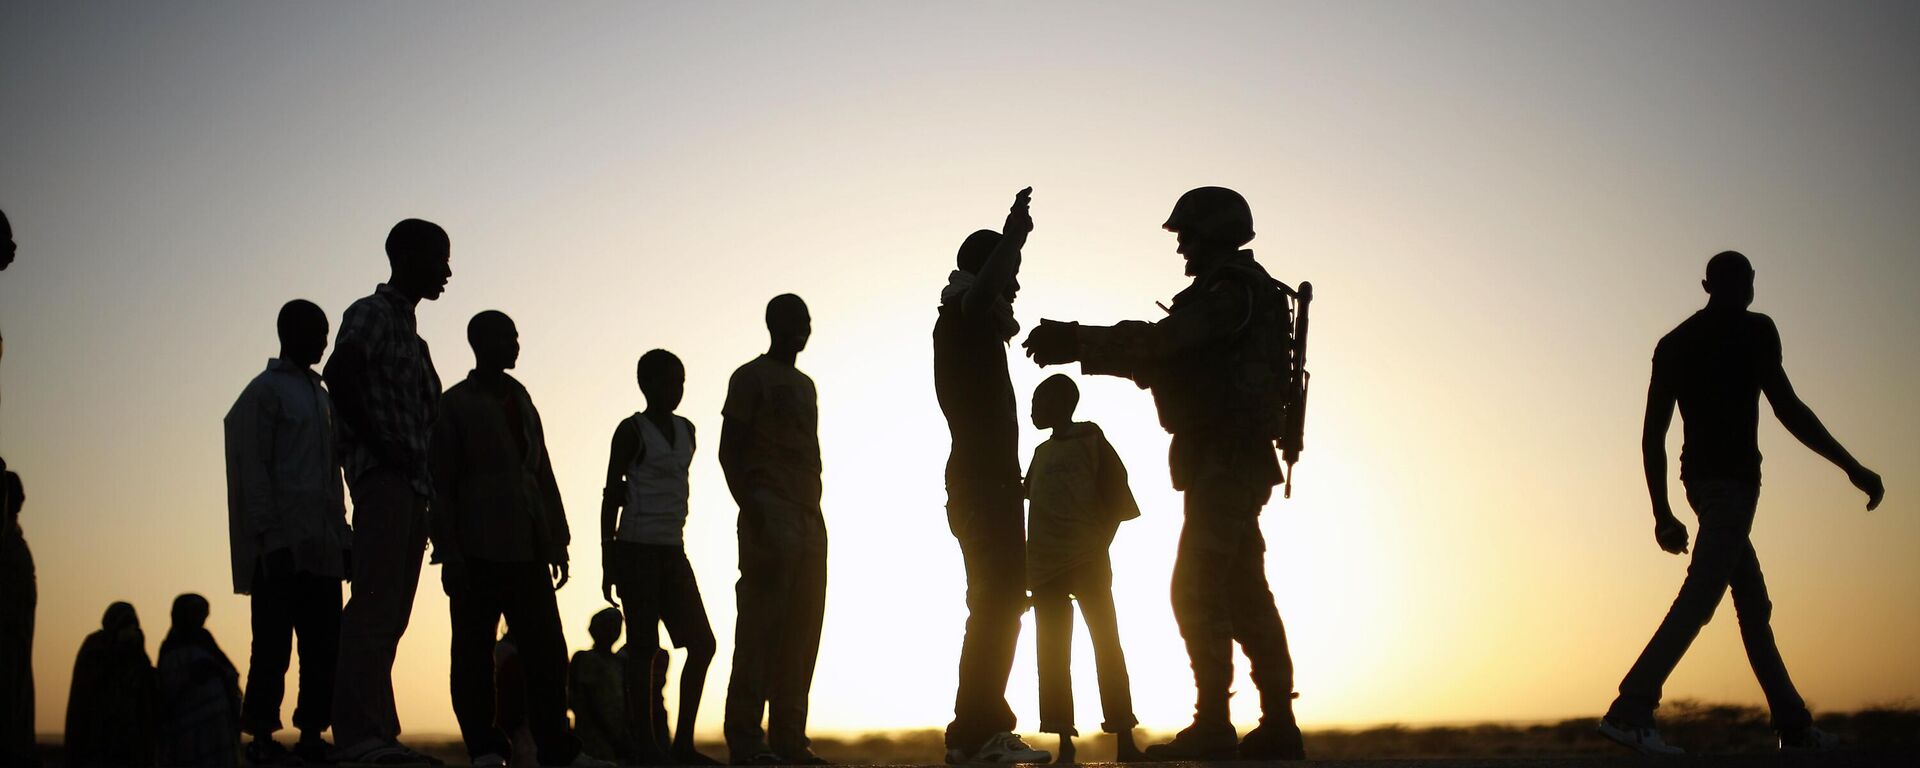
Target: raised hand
{"x": 1019, "y": 219}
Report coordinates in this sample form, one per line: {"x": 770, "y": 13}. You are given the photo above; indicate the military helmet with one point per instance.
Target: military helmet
{"x": 1216, "y": 212}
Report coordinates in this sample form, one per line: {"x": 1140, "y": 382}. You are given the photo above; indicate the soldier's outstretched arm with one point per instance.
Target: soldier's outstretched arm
{"x": 1139, "y": 350}
{"x": 1801, "y": 422}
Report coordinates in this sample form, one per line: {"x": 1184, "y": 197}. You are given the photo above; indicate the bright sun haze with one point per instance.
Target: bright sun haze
{"x": 1502, "y": 207}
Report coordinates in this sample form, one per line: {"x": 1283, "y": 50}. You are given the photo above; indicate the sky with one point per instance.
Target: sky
{"x": 1502, "y": 206}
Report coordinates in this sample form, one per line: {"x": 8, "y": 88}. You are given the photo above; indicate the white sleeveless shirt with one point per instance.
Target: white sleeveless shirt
{"x": 657, "y": 486}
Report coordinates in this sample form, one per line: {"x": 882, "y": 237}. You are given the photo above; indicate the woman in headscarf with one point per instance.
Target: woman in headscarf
{"x": 199, "y": 693}
{"x": 110, "y": 710}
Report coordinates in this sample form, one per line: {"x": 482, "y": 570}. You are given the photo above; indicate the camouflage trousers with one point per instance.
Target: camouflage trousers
{"x": 1220, "y": 596}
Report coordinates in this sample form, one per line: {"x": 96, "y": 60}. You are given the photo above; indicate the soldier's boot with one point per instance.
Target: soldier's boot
{"x": 1211, "y": 737}
{"x": 1278, "y": 736}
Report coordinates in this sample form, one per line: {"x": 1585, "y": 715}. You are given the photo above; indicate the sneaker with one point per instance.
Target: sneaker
{"x": 265, "y": 751}
{"x": 1196, "y": 742}
{"x": 1808, "y": 739}
{"x": 490, "y": 760}
{"x": 1273, "y": 742}
{"x": 1006, "y": 749}
{"x": 1642, "y": 739}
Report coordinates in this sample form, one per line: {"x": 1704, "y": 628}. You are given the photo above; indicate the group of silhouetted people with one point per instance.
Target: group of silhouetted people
{"x": 467, "y": 470}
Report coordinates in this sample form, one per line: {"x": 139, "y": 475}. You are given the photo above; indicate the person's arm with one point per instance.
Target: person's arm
{"x": 559, "y": 534}
{"x": 1801, "y": 422}
{"x": 443, "y": 460}
{"x": 990, "y": 286}
{"x": 613, "y": 497}
{"x": 249, "y": 428}
{"x": 1139, "y": 350}
{"x": 348, "y": 374}
{"x": 735, "y": 419}
{"x": 1668, "y": 531}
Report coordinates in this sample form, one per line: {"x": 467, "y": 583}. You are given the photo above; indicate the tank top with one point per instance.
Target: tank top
{"x": 657, "y": 486}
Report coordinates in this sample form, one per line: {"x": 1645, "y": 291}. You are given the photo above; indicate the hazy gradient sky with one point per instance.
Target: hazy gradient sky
{"x": 1502, "y": 205}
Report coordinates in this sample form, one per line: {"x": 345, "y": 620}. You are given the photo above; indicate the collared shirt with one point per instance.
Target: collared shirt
{"x": 400, "y": 388}
{"x": 283, "y": 477}
{"x": 495, "y": 497}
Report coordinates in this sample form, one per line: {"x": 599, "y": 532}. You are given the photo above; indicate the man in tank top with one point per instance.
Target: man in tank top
{"x": 645, "y": 557}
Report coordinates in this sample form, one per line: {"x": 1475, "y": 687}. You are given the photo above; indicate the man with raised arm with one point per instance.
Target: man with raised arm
{"x": 1223, "y": 461}
{"x": 385, "y": 392}
{"x": 770, "y": 452}
{"x": 1714, "y": 367}
{"x": 985, "y": 503}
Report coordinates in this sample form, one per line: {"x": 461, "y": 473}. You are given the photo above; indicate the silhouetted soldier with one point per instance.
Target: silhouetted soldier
{"x": 112, "y": 705}
{"x": 385, "y": 389}
{"x": 19, "y": 596}
{"x": 500, "y": 536}
{"x": 985, "y": 510}
{"x": 1224, "y": 464}
{"x": 643, "y": 518}
{"x": 770, "y": 452}
{"x": 596, "y": 689}
{"x": 1078, "y": 488}
{"x": 286, "y": 519}
{"x": 199, "y": 693}
{"x": 1715, "y": 366}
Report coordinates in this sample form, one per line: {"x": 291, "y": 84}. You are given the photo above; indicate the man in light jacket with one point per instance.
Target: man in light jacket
{"x": 286, "y": 516}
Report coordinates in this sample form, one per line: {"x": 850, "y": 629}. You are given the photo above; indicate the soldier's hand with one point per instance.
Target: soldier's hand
{"x": 1868, "y": 481}
{"x": 1671, "y": 534}
{"x": 1019, "y": 219}
{"x": 1053, "y": 343}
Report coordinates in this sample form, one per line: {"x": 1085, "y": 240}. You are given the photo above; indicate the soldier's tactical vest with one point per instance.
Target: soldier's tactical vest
{"x": 1238, "y": 384}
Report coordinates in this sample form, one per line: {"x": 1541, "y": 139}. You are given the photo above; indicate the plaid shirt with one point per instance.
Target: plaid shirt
{"x": 400, "y": 388}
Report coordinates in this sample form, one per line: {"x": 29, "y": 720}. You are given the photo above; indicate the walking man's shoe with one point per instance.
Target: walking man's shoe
{"x": 1808, "y": 739}
{"x": 1642, "y": 739}
{"x": 1000, "y": 749}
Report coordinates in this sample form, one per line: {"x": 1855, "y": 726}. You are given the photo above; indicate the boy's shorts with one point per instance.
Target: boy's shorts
{"x": 656, "y": 586}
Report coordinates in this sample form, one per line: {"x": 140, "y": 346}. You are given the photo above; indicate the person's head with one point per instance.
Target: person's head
{"x": 1054, "y": 401}
{"x": 190, "y": 611}
{"x": 119, "y": 619}
{"x": 421, "y": 257}
{"x": 303, "y": 332}
{"x": 1211, "y": 222}
{"x": 1729, "y": 281}
{"x": 7, "y": 246}
{"x": 604, "y": 628}
{"x": 973, "y": 256}
{"x": 16, "y": 493}
{"x": 663, "y": 379}
{"x": 788, "y": 323}
{"x": 495, "y": 341}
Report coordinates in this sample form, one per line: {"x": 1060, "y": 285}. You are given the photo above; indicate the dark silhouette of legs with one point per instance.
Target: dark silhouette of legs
{"x": 19, "y": 598}
{"x": 994, "y": 551}
{"x": 292, "y": 604}
{"x": 1053, "y": 641}
{"x": 1723, "y": 557}
{"x": 781, "y": 594}
{"x": 390, "y": 537}
{"x": 523, "y": 594}
{"x": 1093, "y": 586}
